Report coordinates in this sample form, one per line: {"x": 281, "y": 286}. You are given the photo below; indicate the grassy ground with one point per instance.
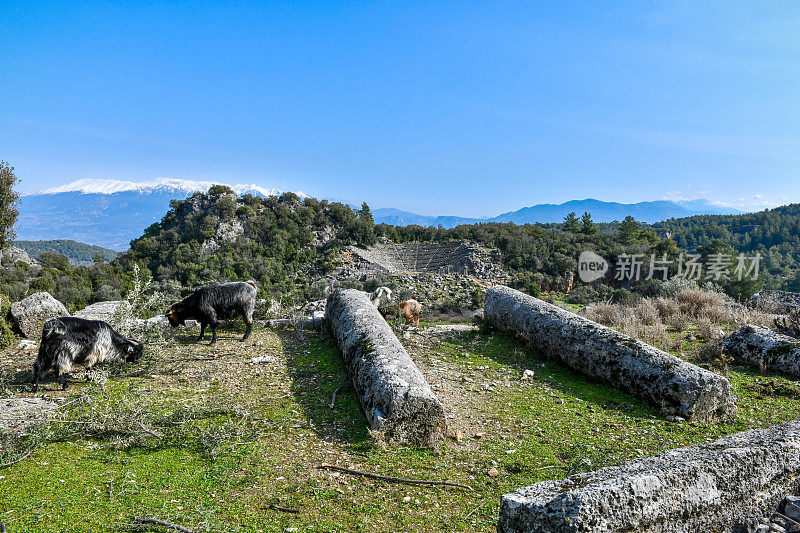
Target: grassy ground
{"x": 203, "y": 437}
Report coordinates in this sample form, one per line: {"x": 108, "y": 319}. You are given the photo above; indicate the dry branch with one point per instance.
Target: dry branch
{"x": 19, "y": 459}
{"x": 391, "y": 479}
{"x": 162, "y": 523}
{"x": 283, "y": 509}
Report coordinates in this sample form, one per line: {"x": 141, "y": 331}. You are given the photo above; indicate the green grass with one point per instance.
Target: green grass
{"x": 236, "y": 437}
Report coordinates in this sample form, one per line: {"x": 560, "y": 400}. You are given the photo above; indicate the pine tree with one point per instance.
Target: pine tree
{"x": 365, "y": 214}
{"x": 629, "y": 230}
{"x": 587, "y": 226}
{"x": 9, "y": 206}
{"x": 571, "y": 223}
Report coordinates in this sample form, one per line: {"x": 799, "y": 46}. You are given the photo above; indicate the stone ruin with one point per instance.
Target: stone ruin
{"x": 775, "y": 302}
{"x": 764, "y": 348}
{"x": 719, "y": 487}
{"x": 397, "y": 401}
{"x": 452, "y": 257}
{"x": 676, "y": 387}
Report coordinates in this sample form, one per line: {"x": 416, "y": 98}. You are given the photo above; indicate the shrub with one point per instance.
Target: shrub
{"x": 7, "y": 336}
{"x": 673, "y": 286}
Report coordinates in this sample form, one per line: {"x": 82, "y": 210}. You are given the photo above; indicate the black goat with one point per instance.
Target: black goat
{"x": 70, "y": 340}
{"x": 209, "y": 305}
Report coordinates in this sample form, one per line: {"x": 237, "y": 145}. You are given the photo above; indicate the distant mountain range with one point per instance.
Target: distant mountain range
{"x": 111, "y": 213}
{"x": 650, "y": 212}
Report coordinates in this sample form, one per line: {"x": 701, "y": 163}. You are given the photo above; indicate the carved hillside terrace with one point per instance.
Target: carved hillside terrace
{"x": 676, "y": 387}
{"x": 765, "y": 349}
{"x": 398, "y": 402}
{"x": 716, "y": 488}
{"x": 453, "y": 257}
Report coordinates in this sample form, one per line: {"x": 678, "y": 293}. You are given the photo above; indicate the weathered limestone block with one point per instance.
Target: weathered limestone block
{"x": 707, "y": 487}
{"x": 764, "y": 348}
{"x": 776, "y": 302}
{"x": 676, "y": 387}
{"x": 397, "y": 401}
{"x": 104, "y": 311}
{"x": 30, "y": 313}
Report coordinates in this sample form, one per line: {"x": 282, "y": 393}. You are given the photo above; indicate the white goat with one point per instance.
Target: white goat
{"x": 380, "y": 296}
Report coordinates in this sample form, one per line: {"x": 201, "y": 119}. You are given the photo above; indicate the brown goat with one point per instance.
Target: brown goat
{"x": 410, "y": 310}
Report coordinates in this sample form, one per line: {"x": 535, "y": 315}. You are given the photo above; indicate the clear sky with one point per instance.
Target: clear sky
{"x": 454, "y": 108}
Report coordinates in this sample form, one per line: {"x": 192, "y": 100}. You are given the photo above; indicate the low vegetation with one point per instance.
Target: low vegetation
{"x": 213, "y": 440}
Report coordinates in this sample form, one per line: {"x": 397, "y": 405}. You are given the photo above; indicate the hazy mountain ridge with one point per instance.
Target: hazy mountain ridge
{"x": 78, "y": 253}
{"x": 111, "y": 213}
{"x": 649, "y": 212}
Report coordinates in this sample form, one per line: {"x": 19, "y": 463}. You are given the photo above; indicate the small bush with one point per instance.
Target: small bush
{"x": 673, "y": 286}
{"x": 7, "y": 337}
{"x": 648, "y": 313}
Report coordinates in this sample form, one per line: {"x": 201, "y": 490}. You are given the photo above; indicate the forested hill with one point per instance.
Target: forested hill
{"x": 76, "y": 252}
{"x": 289, "y": 244}
{"x": 774, "y": 233}
{"x": 746, "y": 232}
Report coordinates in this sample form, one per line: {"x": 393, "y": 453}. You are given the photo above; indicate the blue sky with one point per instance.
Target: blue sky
{"x": 455, "y": 108}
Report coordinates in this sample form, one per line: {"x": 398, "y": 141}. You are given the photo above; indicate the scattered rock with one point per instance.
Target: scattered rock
{"x": 19, "y": 413}
{"x": 29, "y": 314}
{"x": 493, "y": 472}
{"x": 27, "y": 344}
{"x": 104, "y": 311}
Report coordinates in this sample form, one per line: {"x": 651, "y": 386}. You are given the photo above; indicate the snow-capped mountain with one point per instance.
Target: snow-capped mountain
{"x": 109, "y": 213}
{"x": 169, "y": 185}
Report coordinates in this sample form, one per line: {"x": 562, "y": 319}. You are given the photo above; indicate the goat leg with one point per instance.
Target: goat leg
{"x": 248, "y": 330}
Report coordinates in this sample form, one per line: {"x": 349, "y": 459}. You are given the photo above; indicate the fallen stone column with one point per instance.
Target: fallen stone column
{"x": 676, "y": 387}
{"x": 397, "y": 401}
{"x": 707, "y": 487}
{"x": 764, "y": 348}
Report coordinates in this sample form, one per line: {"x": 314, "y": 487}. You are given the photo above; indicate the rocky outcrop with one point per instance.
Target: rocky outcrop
{"x": 765, "y": 349}
{"x": 104, "y": 311}
{"x": 397, "y": 401}
{"x": 13, "y": 254}
{"x": 775, "y": 302}
{"x": 29, "y": 314}
{"x": 454, "y": 257}
{"x": 713, "y": 488}
{"x": 676, "y": 387}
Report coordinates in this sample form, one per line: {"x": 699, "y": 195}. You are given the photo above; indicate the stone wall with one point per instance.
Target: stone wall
{"x": 675, "y": 386}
